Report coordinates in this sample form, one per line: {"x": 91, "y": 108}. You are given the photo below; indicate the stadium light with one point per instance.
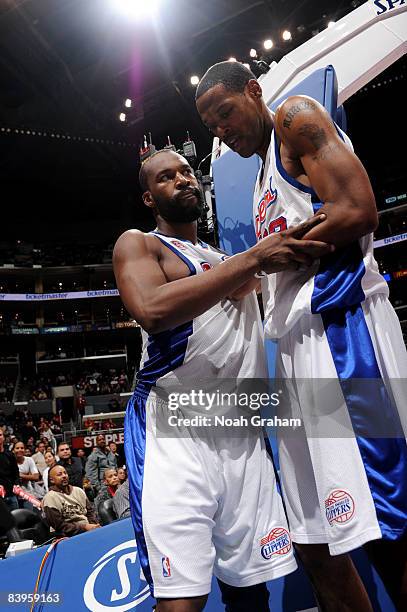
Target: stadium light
{"x": 137, "y": 9}
{"x": 253, "y": 53}
{"x": 286, "y": 35}
{"x": 127, "y": 103}
{"x": 194, "y": 80}
{"x": 122, "y": 117}
{"x": 232, "y": 59}
{"x": 268, "y": 44}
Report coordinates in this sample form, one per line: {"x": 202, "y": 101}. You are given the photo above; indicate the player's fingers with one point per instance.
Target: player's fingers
{"x": 300, "y": 230}
{"x": 303, "y": 259}
{"x": 313, "y": 248}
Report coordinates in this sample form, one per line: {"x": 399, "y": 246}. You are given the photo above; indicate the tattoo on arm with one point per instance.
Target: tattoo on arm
{"x": 326, "y": 152}
{"x": 297, "y": 108}
{"x": 315, "y": 134}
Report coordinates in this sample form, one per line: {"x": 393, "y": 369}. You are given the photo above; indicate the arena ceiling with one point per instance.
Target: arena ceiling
{"x": 66, "y": 67}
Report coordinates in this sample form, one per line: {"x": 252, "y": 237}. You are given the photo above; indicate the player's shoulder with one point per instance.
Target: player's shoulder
{"x": 132, "y": 241}
{"x": 296, "y": 108}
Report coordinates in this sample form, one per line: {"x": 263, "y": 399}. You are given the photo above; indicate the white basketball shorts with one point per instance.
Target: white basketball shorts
{"x": 345, "y": 491}
{"x": 202, "y": 507}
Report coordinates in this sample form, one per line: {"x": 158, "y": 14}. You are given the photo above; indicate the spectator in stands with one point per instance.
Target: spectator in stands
{"x": 66, "y": 507}
{"x": 113, "y": 450}
{"x": 89, "y": 489}
{"x": 9, "y": 474}
{"x": 29, "y": 474}
{"x": 30, "y": 445}
{"x": 122, "y": 474}
{"x": 108, "y": 488}
{"x": 80, "y": 453}
{"x": 45, "y": 431}
{"x": 28, "y": 431}
{"x": 56, "y": 425}
{"x": 72, "y": 465}
{"x": 100, "y": 459}
{"x": 39, "y": 458}
{"x": 121, "y": 501}
{"x": 50, "y": 460}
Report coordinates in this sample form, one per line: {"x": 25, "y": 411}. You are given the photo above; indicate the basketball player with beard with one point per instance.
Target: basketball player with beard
{"x": 200, "y": 504}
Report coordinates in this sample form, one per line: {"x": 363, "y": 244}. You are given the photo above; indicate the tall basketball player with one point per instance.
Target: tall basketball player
{"x": 332, "y": 321}
{"x": 200, "y": 505}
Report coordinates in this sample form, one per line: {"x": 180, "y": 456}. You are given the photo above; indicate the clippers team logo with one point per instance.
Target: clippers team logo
{"x": 339, "y": 507}
{"x": 205, "y": 266}
{"x": 116, "y": 583}
{"x": 165, "y": 562}
{"x": 277, "y": 542}
{"x": 267, "y": 200}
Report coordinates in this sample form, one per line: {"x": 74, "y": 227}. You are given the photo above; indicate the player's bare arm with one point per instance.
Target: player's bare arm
{"x": 312, "y": 146}
{"x": 158, "y": 305}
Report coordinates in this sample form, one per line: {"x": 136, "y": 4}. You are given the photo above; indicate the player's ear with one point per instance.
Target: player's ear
{"x": 253, "y": 88}
{"x": 148, "y": 199}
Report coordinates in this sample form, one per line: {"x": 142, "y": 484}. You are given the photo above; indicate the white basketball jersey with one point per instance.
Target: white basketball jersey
{"x": 226, "y": 341}
{"x": 346, "y": 277}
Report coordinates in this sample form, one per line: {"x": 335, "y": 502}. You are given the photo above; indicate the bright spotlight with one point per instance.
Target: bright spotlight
{"x": 331, "y": 24}
{"x": 122, "y": 117}
{"x": 136, "y": 9}
{"x": 232, "y": 59}
{"x": 253, "y": 53}
{"x": 194, "y": 80}
{"x": 286, "y": 35}
{"x": 127, "y": 103}
{"x": 268, "y": 44}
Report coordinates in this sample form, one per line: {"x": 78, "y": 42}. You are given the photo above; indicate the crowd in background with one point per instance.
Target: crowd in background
{"x": 39, "y": 472}
{"x": 105, "y": 382}
{"x": 27, "y": 254}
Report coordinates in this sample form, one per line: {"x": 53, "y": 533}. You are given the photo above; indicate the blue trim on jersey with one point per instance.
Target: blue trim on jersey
{"x": 316, "y": 203}
{"x": 166, "y": 351}
{"x": 285, "y": 174}
{"x": 177, "y": 252}
{"x": 384, "y": 459}
{"x": 135, "y": 450}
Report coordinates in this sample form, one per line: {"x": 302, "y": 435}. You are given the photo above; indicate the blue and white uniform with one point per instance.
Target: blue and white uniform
{"x": 335, "y": 321}
{"x": 203, "y": 504}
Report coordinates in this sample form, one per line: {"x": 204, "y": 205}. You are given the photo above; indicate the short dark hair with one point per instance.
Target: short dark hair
{"x": 142, "y": 177}
{"x": 232, "y": 75}
{"x": 63, "y": 444}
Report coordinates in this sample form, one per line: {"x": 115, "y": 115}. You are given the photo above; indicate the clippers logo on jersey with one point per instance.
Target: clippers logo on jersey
{"x": 339, "y": 507}
{"x": 268, "y": 198}
{"x": 277, "y": 542}
{"x": 165, "y": 562}
{"x": 206, "y": 266}
{"x": 179, "y": 245}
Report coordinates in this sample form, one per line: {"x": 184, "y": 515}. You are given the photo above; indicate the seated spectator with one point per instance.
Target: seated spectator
{"x": 45, "y": 431}
{"x": 29, "y": 431}
{"x": 89, "y": 489}
{"x": 29, "y": 474}
{"x": 50, "y": 460}
{"x": 98, "y": 461}
{"x": 39, "y": 458}
{"x": 122, "y": 474}
{"x": 66, "y": 508}
{"x": 108, "y": 488}
{"x": 9, "y": 473}
{"x": 121, "y": 501}
{"x": 113, "y": 450}
{"x": 72, "y": 465}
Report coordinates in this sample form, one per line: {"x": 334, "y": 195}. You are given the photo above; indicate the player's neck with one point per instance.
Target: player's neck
{"x": 268, "y": 125}
{"x": 186, "y": 231}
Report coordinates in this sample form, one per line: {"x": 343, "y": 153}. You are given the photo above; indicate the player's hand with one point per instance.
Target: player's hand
{"x": 285, "y": 250}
